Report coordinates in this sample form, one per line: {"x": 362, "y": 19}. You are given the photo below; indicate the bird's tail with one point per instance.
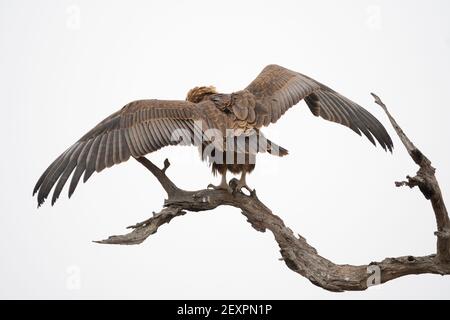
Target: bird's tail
{"x": 275, "y": 149}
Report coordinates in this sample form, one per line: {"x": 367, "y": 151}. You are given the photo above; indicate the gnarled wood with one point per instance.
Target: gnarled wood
{"x": 298, "y": 255}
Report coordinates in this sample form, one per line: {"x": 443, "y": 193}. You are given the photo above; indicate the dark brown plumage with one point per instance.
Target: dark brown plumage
{"x": 144, "y": 126}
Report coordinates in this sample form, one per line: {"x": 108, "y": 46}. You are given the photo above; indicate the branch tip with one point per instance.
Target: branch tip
{"x": 166, "y": 165}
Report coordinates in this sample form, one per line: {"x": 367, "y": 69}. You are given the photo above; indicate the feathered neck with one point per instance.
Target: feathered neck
{"x": 197, "y": 94}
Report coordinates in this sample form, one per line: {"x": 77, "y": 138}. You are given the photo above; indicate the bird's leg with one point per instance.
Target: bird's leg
{"x": 223, "y": 184}
{"x": 242, "y": 183}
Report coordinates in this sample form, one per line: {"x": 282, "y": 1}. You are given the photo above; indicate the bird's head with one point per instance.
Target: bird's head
{"x": 197, "y": 94}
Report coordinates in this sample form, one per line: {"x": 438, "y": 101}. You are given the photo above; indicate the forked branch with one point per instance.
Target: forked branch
{"x": 298, "y": 255}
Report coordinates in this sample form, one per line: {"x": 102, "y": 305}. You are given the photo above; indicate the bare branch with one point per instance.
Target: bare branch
{"x": 415, "y": 153}
{"x": 298, "y": 255}
{"x": 143, "y": 230}
{"x": 426, "y": 180}
{"x": 165, "y": 182}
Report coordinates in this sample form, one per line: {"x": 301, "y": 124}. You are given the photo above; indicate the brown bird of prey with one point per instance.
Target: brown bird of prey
{"x": 222, "y": 126}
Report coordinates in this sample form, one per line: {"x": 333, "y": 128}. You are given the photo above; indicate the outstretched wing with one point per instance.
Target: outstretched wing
{"x": 138, "y": 128}
{"x": 277, "y": 89}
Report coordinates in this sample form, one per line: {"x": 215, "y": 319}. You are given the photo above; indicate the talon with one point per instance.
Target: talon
{"x": 238, "y": 185}
{"x": 222, "y": 186}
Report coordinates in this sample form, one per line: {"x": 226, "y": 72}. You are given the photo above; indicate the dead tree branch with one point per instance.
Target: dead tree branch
{"x": 298, "y": 255}
{"x": 426, "y": 180}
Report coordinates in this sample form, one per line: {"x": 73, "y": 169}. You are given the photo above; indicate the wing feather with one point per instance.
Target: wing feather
{"x": 277, "y": 89}
{"x": 92, "y": 158}
{"x": 100, "y": 162}
{"x": 138, "y": 128}
{"x": 81, "y": 166}
{"x": 53, "y": 175}
{"x": 151, "y": 139}
{"x": 66, "y": 174}
{"x": 109, "y": 155}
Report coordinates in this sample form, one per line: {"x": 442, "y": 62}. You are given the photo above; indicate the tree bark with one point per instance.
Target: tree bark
{"x": 298, "y": 255}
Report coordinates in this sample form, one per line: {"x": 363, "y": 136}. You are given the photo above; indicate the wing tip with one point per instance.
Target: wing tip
{"x": 40, "y": 202}
{"x": 387, "y": 145}
{"x": 72, "y": 188}
{"x": 54, "y": 199}
{"x": 391, "y": 147}
{"x": 35, "y": 189}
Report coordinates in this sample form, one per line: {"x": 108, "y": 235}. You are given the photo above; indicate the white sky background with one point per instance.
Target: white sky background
{"x": 61, "y": 75}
